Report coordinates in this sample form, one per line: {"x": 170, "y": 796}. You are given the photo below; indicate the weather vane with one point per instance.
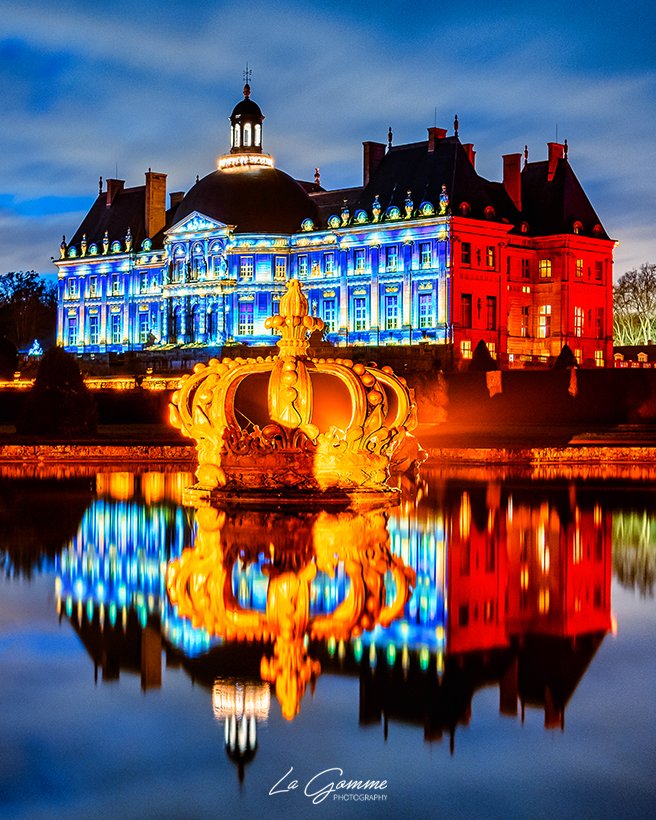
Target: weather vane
{"x": 248, "y": 75}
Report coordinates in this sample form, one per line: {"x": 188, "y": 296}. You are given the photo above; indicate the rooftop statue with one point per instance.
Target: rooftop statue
{"x": 322, "y": 427}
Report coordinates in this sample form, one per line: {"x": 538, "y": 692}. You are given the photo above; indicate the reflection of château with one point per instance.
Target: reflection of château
{"x": 509, "y": 590}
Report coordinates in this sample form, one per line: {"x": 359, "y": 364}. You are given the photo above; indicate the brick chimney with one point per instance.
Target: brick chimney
{"x": 372, "y": 157}
{"x": 155, "y": 216}
{"x": 556, "y": 152}
{"x": 435, "y": 134}
{"x": 114, "y": 186}
{"x": 512, "y": 178}
{"x": 471, "y": 154}
{"x": 175, "y": 198}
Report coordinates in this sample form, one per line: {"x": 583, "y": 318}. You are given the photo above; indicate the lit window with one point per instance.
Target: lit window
{"x": 116, "y": 284}
{"x": 491, "y": 303}
{"x": 544, "y": 267}
{"x": 466, "y": 310}
{"x": 599, "y": 358}
{"x": 425, "y": 255}
{"x": 143, "y": 283}
{"x": 232, "y": 136}
{"x": 579, "y": 268}
{"x": 492, "y": 347}
{"x": 578, "y": 354}
{"x": 391, "y": 257}
{"x": 280, "y": 269}
{"x": 466, "y": 349}
{"x": 237, "y": 136}
{"x": 93, "y": 286}
{"x": 247, "y": 135}
{"x": 358, "y": 259}
{"x": 72, "y": 287}
{"x": 578, "y": 321}
{"x": 94, "y": 328}
{"x": 526, "y": 268}
{"x": 425, "y": 310}
{"x": 490, "y": 256}
{"x": 72, "y": 330}
{"x": 329, "y": 262}
{"x": 302, "y": 266}
{"x": 465, "y": 253}
{"x": 544, "y": 321}
{"x": 329, "y": 315}
{"x": 116, "y": 328}
{"x": 245, "y": 327}
{"x": 258, "y": 135}
{"x": 523, "y": 327}
{"x": 246, "y": 267}
{"x": 391, "y": 312}
{"x": 359, "y": 313}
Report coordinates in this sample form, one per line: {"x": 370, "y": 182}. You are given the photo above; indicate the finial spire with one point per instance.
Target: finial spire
{"x": 248, "y": 75}
{"x": 565, "y": 149}
{"x": 390, "y": 137}
{"x": 456, "y": 124}
{"x": 525, "y": 156}
{"x": 99, "y": 186}
{"x": 317, "y": 176}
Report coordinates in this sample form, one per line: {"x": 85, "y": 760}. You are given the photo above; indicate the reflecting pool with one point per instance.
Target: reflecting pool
{"x": 484, "y": 649}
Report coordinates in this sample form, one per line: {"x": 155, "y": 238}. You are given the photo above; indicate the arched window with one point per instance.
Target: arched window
{"x": 232, "y": 136}
{"x": 237, "y": 136}
{"x": 258, "y": 135}
{"x": 247, "y": 134}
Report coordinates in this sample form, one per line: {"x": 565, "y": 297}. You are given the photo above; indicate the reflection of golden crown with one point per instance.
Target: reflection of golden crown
{"x": 327, "y": 424}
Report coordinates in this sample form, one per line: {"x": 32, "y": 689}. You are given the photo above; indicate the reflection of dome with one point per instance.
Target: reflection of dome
{"x": 253, "y": 199}
{"x": 241, "y": 705}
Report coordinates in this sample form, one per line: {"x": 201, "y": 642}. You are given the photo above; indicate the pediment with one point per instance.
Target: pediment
{"x": 197, "y": 223}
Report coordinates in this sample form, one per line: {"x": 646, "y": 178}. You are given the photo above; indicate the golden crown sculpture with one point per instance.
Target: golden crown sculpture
{"x": 295, "y": 447}
{"x": 293, "y": 548}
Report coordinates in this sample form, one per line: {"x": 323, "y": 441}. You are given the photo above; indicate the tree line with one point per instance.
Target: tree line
{"x": 28, "y": 309}
{"x": 634, "y": 306}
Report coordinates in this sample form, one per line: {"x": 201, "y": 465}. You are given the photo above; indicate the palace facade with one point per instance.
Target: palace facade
{"x": 424, "y": 251}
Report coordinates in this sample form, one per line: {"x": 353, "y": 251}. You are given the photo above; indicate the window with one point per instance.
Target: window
{"x": 463, "y": 615}
{"x": 544, "y": 267}
{"x": 177, "y": 275}
{"x": 599, "y": 271}
{"x": 360, "y": 313}
{"x": 116, "y": 328}
{"x": 144, "y": 327}
{"x": 425, "y": 255}
{"x": 358, "y": 260}
{"x": 237, "y": 136}
{"x": 491, "y": 303}
{"x": 143, "y": 283}
{"x": 391, "y": 312}
{"x": 94, "y": 329}
{"x": 197, "y": 268}
{"x": 329, "y": 315}
{"x": 599, "y": 358}
{"x": 247, "y": 134}
{"x": 116, "y": 284}
{"x": 245, "y": 327}
{"x": 526, "y": 268}
{"x": 280, "y": 268}
{"x": 72, "y": 287}
{"x": 302, "y": 266}
{"x": 599, "y": 323}
{"x": 466, "y": 310}
{"x": 465, "y": 253}
{"x": 329, "y": 263}
{"x": 258, "y": 134}
{"x": 72, "y": 330}
{"x": 246, "y": 267}
{"x": 490, "y": 256}
{"x": 391, "y": 257}
{"x": 579, "y": 268}
{"x": 544, "y": 321}
{"x": 466, "y": 349}
{"x": 425, "y": 310}
{"x": 578, "y": 321}
{"x": 523, "y": 326}
{"x": 492, "y": 347}
{"x": 93, "y": 286}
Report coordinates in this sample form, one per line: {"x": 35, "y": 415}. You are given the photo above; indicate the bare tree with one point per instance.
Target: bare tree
{"x": 634, "y": 306}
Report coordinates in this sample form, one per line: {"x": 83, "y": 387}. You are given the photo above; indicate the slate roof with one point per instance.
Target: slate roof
{"x": 126, "y": 211}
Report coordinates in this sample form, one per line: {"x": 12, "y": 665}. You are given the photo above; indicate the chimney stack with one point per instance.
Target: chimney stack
{"x": 176, "y": 198}
{"x": 471, "y": 154}
{"x": 114, "y": 186}
{"x": 556, "y": 152}
{"x": 374, "y": 153}
{"x": 435, "y": 134}
{"x": 512, "y": 178}
{"x": 155, "y": 216}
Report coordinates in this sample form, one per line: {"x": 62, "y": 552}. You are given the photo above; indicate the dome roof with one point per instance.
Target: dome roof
{"x": 246, "y": 109}
{"x": 254, "y": 200}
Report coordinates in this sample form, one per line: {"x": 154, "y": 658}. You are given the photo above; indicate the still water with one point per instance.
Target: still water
{"x": 485, "y": 649}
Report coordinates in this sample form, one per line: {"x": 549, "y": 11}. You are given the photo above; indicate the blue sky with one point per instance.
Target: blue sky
{"x": 92, "y": 88}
